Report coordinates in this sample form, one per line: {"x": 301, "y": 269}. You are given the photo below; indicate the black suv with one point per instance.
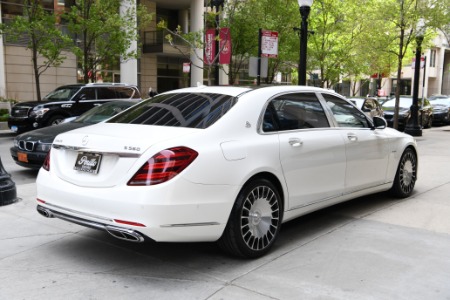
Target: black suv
{"x": 67, "y": 101}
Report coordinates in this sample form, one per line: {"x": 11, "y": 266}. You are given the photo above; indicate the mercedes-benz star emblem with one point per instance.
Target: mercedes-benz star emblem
{"x": 85, "y": 140}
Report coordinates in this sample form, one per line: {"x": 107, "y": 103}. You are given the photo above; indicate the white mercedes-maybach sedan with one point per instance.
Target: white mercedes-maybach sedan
{"x": 225, "y": 164}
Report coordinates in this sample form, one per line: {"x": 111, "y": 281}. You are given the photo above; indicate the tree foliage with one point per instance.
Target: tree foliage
{"x": 44, "y": 39}
{"x": 103, "y": 33}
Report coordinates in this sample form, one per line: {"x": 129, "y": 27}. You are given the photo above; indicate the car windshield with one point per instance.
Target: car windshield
{"x": 193, "y": 110}
{"x": 103, "y": 112}
{"x": 434, "y": 97}
{"x": 404, "y": 103}
{"x": 63, "y": 93}
{"x": 440, "y": 101}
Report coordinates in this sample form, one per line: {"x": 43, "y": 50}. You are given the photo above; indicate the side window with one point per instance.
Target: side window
{"x": 87, "y": 94}
{"x": 125, "y": 92}
{"x": 294, "y": 111}
{"x": 368, "y": 105}
{"x": 346, "y": 115}
{"x": 106, "y": 93}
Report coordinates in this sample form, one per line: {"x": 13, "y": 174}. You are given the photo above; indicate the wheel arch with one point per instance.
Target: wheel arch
{"x": 273, "y": 179}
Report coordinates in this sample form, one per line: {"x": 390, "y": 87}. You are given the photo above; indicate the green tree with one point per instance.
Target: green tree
{"x": 332, "y": 48}
{"x": 252, "y": 15}
{"x": 396, "y": 23}
{"x": 44, "y": 39}
{"x": 103, "y": 35}
{"x": 187, "y": 43}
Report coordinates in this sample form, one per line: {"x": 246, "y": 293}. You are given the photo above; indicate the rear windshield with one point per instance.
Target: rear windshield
{"x": 193, "y": 110}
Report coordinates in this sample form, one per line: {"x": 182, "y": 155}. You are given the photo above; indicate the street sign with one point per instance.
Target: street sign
{"x": 186, "y": 67}
{"x": 269, "y": 43}
{"x": 253, "y": 67}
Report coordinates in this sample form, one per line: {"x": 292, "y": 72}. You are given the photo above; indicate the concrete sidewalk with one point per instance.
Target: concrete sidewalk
{"x": 5, "y": 131}
{"x": 374, "y": 247}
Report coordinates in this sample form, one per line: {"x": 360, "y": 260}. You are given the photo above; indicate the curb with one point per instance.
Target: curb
{"x": 5, "y": 131}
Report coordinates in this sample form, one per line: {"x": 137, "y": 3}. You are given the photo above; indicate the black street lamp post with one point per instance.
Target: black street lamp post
{"x": 8, "y": 191}
{"x": 305, "y": 7}
{"x": 413, "y": 128}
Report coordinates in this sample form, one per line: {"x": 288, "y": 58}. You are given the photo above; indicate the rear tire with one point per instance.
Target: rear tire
{"x": 255, "y": 220}
{"x": 406, "y": 175}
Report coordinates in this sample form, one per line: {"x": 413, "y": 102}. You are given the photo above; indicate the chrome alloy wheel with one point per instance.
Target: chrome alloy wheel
{"x": 260, "y": 217}
{"x": 407, "y": 174}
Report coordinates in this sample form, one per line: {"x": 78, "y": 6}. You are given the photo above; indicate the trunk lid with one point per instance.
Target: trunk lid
{"x": 107, "y": 154}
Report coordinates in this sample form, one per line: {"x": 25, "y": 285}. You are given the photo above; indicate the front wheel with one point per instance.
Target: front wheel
{"x": 406, "y": 175}
{"x": 255, "y": 220}
{"x": 55, "y": 120}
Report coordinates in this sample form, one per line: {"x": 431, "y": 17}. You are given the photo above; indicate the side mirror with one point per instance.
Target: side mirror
{"x": 379, "y": 123}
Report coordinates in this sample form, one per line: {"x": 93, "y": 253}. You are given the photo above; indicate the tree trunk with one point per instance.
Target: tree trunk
{"x": 36, "y": 69}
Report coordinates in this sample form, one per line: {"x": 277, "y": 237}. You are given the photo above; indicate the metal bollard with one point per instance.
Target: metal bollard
{"x": 8, "y": 192}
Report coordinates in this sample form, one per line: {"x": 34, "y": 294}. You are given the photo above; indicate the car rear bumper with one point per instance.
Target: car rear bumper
{"x": 190, "y": 213}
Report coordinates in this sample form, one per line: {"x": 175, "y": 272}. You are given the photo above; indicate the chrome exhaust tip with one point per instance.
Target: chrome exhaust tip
{"x": 125, "y": 234}
{"x": 45, "y": 212}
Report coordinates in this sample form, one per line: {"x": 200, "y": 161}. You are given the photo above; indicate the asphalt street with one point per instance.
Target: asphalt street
{"x": 374, "y": 247}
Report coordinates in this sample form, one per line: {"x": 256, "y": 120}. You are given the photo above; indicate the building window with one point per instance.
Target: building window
{"x": 433, "y": 58}
{"x": 405, "y": 86}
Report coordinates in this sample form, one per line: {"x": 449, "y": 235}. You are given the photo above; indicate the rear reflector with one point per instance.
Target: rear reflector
{"x": 163, "y": 166}
{"x": 129, "y": 223}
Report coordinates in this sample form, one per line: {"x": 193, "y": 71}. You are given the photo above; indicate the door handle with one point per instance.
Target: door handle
{"x": 295, "y": 142}
{"x": 352, "y": 137}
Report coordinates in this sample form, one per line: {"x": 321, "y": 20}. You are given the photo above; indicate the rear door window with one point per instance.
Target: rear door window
{"x": 126, "y": 93}
{"x": 294, "y": 111}
{"x": 106, "y": 93}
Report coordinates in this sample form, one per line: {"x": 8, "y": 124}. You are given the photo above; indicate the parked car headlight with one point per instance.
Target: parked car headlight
{"x": 38, "y": 111}
{"x": 43, "y": 147}
{"x": 403, "y": 113}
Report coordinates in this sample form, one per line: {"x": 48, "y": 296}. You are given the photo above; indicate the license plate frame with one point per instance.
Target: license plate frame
{"x": 88, "y": 162}
{"x": 22, "y": 157}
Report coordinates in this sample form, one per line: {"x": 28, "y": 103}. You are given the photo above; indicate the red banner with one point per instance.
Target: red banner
{"x": 225, "y": 46}
{"x": 210, "y": 46}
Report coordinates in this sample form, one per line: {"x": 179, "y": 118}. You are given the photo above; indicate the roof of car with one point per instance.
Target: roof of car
{"x": 95, "y": 84}
{"x": 236, "y": 91}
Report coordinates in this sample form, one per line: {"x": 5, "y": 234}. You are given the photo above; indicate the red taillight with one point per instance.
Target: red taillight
{"x": 46, "y": 164}
{"x": 163, "y": 166}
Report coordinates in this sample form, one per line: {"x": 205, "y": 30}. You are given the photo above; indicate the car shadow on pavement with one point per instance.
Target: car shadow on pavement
{"x": 293, "y": 234}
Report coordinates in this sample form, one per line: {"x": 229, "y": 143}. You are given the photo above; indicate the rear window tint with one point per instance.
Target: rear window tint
{"x": 193, "y": 110}
{"x": 126, "y": 92}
